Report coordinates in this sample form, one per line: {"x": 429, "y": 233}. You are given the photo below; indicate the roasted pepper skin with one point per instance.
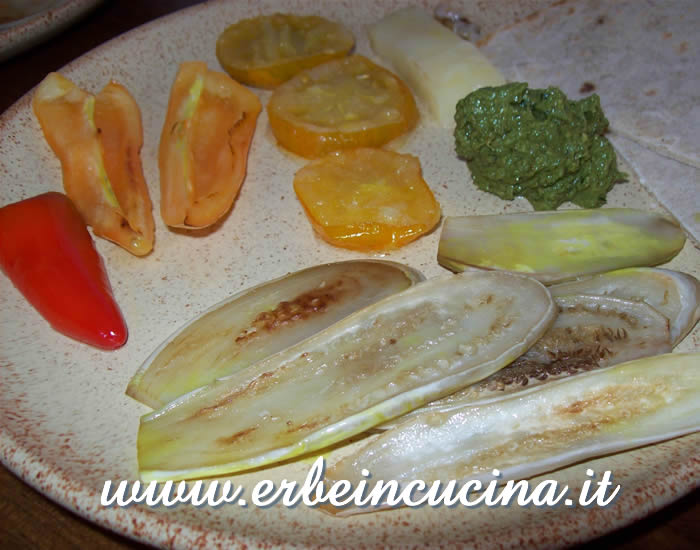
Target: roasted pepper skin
{"x": 203, "y": 152}
{"x": 98, "y": 139}
{"x": 48, "y": 254}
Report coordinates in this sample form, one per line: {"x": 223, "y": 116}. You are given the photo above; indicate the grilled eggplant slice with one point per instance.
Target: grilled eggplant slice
{"x": 540, "y": 430}
{"x": 378, "y": 363}
{"x": 261, "y": 321}
{"x": 559, "y": 245}
{"x": 605, "y": 329}
{"x": 674, "y": 294}
{"x": 590, "y": 332}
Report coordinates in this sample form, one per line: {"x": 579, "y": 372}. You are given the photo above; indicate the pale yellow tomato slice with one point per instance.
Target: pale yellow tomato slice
{"x": 367, "y": 199}
{"x": 267, "y": 50}
{"x": 341, "y": 104}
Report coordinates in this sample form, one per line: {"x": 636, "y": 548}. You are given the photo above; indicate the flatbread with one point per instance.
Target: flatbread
{"x": 640, "y": 56}
{"x": 485, "y": 17}
{"x": 674, "y": 184}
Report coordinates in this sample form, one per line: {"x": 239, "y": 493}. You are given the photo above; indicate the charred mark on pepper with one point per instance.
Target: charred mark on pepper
{"x": 133, "y": 164}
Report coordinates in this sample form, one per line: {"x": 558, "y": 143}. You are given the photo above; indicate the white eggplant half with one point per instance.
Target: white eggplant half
{"x": 602, "y": 330}
{"x": 380, "y": 362}
{"x": 261, "y": 321}
{"x": 555, "y": 246}
{"x": 540, "y": 430}
{"x": 674, "y": 294}
{"x": 590, "y": 332}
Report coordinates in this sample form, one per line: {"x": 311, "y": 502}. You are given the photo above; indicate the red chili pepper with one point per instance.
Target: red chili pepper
{"x": 48, "y": 254}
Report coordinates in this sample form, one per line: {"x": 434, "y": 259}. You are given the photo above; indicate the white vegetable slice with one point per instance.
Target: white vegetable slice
{"x": 440, "y": 67}
{"x": 378, "y": 363}
{"x": 607, "y": 330}
{"x": 675, "y": 295}
{"x": 261, "y": 321}
{"x": 556, "y": 246}
{"x": 539, "y": 430}
{"x": 590, "y": 332}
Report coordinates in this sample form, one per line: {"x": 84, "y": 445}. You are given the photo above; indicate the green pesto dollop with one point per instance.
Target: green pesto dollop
{"x": 537, "y": 144}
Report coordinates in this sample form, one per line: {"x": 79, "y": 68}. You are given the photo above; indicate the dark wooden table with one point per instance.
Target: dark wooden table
{"x": 30, "y": 521}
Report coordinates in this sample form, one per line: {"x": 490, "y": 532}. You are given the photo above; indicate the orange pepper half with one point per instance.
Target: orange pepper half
{"x": 204, "y": 145}
{"x": 98, "y": 140}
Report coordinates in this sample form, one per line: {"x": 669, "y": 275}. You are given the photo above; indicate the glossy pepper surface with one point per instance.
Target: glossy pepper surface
{"x": 48, "y": 254}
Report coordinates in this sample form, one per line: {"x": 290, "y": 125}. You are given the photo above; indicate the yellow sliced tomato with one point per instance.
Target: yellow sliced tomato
{"x": 341, "y": 104}
{"x": 204, "y": 145}
{"x": 367, "y": 199}
{"x": 267, "y": 50}
{"x": 98, "y": 140}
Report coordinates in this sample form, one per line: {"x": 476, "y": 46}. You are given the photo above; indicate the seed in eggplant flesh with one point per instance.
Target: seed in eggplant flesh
{"x": 261, "y": 321}
{"x": 542, "y": 429}
{"x": 380, "y": 362}
{"x": 589, "y": 333}
{"x": 674, "y": 294}
{"x": 607, "y": 330}
{"x": 559, "y": 245}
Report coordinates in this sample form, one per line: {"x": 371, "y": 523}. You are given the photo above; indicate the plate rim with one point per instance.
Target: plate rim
{"x": 33, "y": 471}
{"x": 22, "y": 34}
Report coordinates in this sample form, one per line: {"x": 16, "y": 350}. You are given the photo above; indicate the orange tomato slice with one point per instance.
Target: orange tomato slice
{"x": 267, "y": 50}
{"x": 367, "y": 199}
{"x": 341, "y": 104}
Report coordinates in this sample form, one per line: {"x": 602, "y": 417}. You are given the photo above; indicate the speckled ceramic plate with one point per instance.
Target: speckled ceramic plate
{"x": 25, "y": 23}
{"x": 66, "y": 425}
